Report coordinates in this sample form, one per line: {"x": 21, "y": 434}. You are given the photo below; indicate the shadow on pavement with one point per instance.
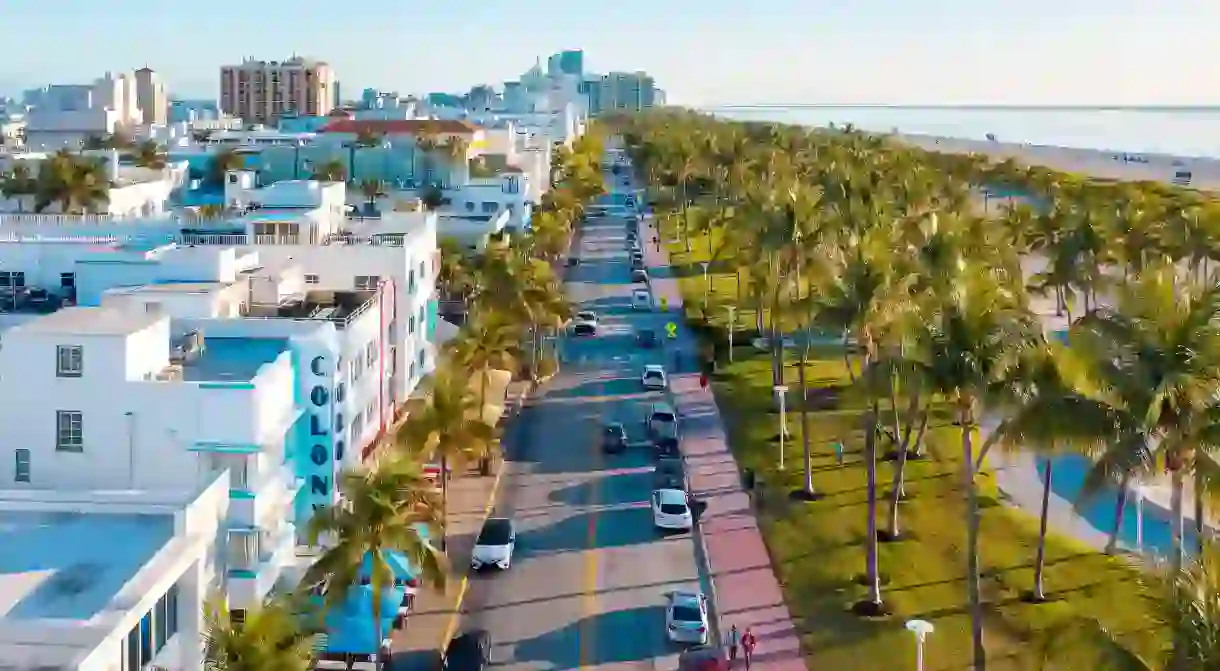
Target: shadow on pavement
{"x": 606, "y": 638}
{"x": 614, "y": 527}
{"x": 623, "y": 487}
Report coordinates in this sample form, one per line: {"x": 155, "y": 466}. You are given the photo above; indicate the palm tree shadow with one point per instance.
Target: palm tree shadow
{"x": 616, "y": 637}
{"x": 613, "y": 527}
{"x": 625, "y": 486}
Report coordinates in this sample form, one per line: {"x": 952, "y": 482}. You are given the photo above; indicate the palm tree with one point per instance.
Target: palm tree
{"x": 150, "y": 155}
{"x": 427, "y": 144}
{"x": 372, "y": 189}
{"x": 279, "y": 634}
{"x": 222, "y": 162}
{"x": 457, "y": 151}
{"x": 77, "y": 184}
{"x": 488, "y": 341}
{"x": 391, "y": 508}
{"x": 331, "y": 170}
{"x": 448, "y": 424}
{"x": 18, "y": 183}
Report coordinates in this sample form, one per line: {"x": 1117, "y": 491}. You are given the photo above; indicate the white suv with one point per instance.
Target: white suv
{"x": 654, "y": 377}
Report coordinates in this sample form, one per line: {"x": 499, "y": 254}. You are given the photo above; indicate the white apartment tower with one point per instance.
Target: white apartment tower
{"x": 263, "y": 91}
{"x": 151, "y": 97}
{"x": 118, "y": 92}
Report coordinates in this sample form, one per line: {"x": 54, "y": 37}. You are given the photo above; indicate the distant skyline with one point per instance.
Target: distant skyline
{"x": 940, "y": 52}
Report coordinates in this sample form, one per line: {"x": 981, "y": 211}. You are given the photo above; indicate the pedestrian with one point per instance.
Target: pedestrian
{"x": 734, "y": 640}
{"x": 747, "y": 646}
{"x": 703, "y": 379}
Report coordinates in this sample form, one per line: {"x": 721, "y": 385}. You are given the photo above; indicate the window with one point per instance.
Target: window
{"x": 421, "y": 270}
{"x": 357, "y": 429}
{"x": 69, "y": 431}
{"x": 69, "y": 361}
{"x": 67, "y": 280}
{"x": 370, "y": 412}
{"x": 243, "y": 550}
{"x": 340, "y": 392}
{"x": 411, "y": 325}
{"x": 367, "y": 281}
{"x": 411, "y": 281}
{"x": 392, "y": 330}
{"x": 12, "y": 279}
{"x": 21, "y": 467}
{"x": 371, "y": 353}
{"x": 489, "y": 207}
{"x": 357, "y": 366}
{"x": 311, "y": 279}
{"x": 470, "y": 206}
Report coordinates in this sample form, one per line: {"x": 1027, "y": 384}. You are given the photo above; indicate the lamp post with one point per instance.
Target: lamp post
{"x": 732, "y": 327}
{"x": 921, "y": 629}
{"x": 1139, "y": 517}
{"x": 781, "y": 392}
{"x": 706, "y": 285}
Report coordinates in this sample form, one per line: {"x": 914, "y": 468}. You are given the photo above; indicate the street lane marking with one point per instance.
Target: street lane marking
{"x": 589, "y": 596}
{"x": 451, "y": 628}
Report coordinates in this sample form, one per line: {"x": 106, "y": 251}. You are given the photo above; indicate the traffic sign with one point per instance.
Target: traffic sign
{"x": 672, "y": 329}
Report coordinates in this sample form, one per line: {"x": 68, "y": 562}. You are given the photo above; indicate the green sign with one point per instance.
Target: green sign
{"x": 672, "y": 329}
{"x": 664, "y": 303}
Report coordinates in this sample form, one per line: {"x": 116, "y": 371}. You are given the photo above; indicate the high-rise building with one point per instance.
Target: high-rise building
{"x": 151, "y": 97}
{"x": 263, "y": 91}
{"x": 622, "y": 91}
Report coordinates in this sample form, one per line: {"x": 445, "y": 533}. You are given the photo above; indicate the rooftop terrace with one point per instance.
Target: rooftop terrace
{"x": 70, "y": 566}
{"x": 229, "y": 359}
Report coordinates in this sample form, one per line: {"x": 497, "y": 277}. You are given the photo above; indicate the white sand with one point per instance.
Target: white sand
{"x": 1205, "y": 172}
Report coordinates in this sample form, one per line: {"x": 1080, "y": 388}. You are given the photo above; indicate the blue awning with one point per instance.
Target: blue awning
{"x": 349, "y": 628}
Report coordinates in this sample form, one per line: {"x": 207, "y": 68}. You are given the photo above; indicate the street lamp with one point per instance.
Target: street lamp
{"x": 781, "y": 391}
{"x": 732, "y": 327}
{"x": 921, "y": 629}
{"x": 706, "y": 285}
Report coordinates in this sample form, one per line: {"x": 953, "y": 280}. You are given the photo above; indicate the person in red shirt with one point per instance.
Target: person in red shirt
{"x": 747, "y": 646}
{"x": 703, "y": 380}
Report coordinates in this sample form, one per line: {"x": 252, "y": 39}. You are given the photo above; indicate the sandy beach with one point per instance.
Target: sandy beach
{"x": 1205, "y": 173}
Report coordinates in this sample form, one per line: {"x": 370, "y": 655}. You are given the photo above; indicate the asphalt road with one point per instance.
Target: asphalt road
{"x": 587, "y": 586}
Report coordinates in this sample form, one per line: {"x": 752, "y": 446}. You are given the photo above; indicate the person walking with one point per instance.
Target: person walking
{"x": 747, "y": 646}
{"x": 734, "y": 641}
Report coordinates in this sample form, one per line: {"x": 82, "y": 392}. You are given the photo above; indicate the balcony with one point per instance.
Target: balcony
{"x": 256, "y": 560}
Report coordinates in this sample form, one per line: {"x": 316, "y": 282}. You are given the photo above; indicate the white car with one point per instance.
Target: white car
{"x": 584, "y": 323}
{"x": 495, "y": 544}
{"x": 686, "y": 618}
{"x": 654, "y": 377}
{"x": 670, "y": 510}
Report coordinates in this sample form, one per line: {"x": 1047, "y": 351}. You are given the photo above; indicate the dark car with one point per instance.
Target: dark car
{"x": 666, "y": 448}
{"x": 637, "y": 263}
{"x": 647, "y": 338}
{"x": 583, "y": 329}
{"x": 639, "y": 275}
{"x": 471, "y": 651}
{"x": 573, "y": 261}
{"x": 669, "y": 473}
{"x": 614, "y": 438}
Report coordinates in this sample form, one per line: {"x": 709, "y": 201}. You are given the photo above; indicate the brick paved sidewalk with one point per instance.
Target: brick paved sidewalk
{"x": 745, "y": 588}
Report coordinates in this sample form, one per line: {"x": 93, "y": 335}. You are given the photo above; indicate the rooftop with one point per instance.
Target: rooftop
{"x": 340, "y": 307}
{"x": 69, "y": 565}
{"x": 400, "y": 126}
{"x": 231, "y": 359}
{"x": 89, "y": 321}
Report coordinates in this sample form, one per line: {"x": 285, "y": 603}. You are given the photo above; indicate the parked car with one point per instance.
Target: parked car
{"x": 641, "y": 299}
{"x": 470, "y": 651}
{"x": 639, "y": 275}
{"x": 686, "y": 617}
{"x": 670, "y": 510}
{"x": 495, "y": 544}
{"x": 584, "y": 323}
{"x": 647, "y": 338}
{"x": 654, "y": 377}
{"x": 669, "y": 473}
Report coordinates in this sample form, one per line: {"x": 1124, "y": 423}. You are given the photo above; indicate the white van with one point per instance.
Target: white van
{"x": 641, "y": 299}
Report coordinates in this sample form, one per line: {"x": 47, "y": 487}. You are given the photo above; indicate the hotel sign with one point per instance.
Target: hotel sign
{"x": 324, "y": 448}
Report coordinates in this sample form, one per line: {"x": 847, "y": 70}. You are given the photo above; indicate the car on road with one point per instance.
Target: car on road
{"x": 573, "y": 261}
{"x": 647, "y": 338}
{"x": 470, "y": 651}
{"x": 639, "y": 275}
{"x": 637, "y": 263}
{"x": 653, "y": 377}
{"x": 614, "y": 438}
{"x": 641, "y": 299}
{"x": 669, "y": 473}
{"x": 670, "y": 510}
{"x": 637, "y": 256}
{"x": 584, "y": 323}
{"x": 686, "y": 617}
{"x": 495, "y": 544}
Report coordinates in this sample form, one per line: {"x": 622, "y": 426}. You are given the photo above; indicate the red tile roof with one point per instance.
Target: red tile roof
{"x": 399, "y": 126}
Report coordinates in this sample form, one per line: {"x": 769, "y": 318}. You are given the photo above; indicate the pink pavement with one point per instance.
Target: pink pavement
{"x": 745, "y": 588}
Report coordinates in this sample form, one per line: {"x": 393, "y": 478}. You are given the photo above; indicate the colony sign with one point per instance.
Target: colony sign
{"x": 321, "y": 440}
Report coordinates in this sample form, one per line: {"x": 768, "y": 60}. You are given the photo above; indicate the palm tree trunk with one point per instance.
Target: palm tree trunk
{"x": 898, "y": 487}
{"x": 1119, "y": 509}
{"x": 851, "y": 372}
{"x": 1040, "y": 560}
{"x": 870, "y": 448}
{"x": 1179, "y": 519}
{"x": 804, "y": 410}
{"x": 1200, "y": 522}
{"x": 973, "y": 580}
{"x": 444, "y": 499}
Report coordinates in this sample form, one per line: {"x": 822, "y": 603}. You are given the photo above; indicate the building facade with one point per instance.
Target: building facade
{"x": 263, "y": 91}
{"x": 151, "y": 97}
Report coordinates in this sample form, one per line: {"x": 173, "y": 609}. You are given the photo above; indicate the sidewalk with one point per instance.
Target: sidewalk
{"x": 434, "y": 616}
{"x": 745, "y": 590}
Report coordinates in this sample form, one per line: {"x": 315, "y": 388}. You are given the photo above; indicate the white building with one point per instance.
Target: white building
{"x": 108, "y": 580}
{"x": 132, "y": 191}
{"x": 62, "y": 116}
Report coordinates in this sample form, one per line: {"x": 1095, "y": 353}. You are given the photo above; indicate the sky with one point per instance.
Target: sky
{"x": 708, "y": 52}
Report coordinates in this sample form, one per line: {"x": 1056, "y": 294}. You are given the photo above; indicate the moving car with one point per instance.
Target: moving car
{"x": 637, "y": 263}
{"x": 641, "y": 299}
{"x": 654, "y": 377}
{"x": 495, "y": 544}
{"x": 686, "y": 617}
{"x": 584, "y": 323}
{"x": 470, "y": 651}
{"x": 670, "y": 510}
{"x": 639, "y": 275}
{"x": 647, "y": 338}
{"x": 614, "y": 438}
{"x": 669, "y": 473}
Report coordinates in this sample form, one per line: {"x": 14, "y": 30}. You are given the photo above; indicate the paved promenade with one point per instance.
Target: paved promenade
{"x": 746, "y": 590}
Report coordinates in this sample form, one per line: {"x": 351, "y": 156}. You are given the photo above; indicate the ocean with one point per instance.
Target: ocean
{"x": 1177, "y": 131}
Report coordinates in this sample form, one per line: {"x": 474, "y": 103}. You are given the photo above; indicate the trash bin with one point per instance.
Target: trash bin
{"x": 747, "y": 479}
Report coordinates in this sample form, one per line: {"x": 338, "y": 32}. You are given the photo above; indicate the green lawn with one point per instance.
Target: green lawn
{"x": 818, "y": 547}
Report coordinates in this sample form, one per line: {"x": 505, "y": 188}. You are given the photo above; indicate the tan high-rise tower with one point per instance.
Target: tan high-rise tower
{"x": 151, "y": 97}
{"x": 263, "y": 91}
